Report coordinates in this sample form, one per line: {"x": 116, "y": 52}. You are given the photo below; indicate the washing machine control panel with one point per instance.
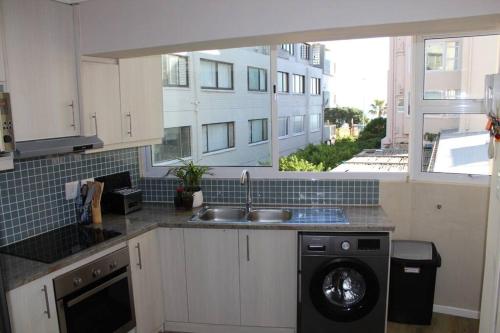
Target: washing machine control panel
{"x": 345, "y": 245}
{"x": 367, "y": 244}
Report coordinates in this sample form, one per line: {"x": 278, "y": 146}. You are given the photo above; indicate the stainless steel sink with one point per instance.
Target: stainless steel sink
{"x": 231, "y": 214}
{"x": 225, "y": 214}
{"x": 269, "y": 215}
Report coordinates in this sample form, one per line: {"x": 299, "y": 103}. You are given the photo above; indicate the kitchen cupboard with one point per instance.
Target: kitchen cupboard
{"x": 2, "y": 51}
{"x": 100, "y": 89}
{"x": 268, "y": 277}
{"x": 173, "y": 268}
{"x": 40, "y": 50}
{"x": 32, "y": 307}
{"x": 141, "y": 98}
{"x": 212, "y": 275}
{"x": 146, "y": 282}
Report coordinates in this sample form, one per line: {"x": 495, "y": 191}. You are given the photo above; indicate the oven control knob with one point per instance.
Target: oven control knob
{"x": 96, "y": 272}
{"x": 113, "y": 266}
{"x": 345, "y": 245}
{"x": 77, "y": 281}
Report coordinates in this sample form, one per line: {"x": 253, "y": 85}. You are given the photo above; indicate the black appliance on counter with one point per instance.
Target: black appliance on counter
{"x": 59, "y": 243}
{"x": 119, "y": 196}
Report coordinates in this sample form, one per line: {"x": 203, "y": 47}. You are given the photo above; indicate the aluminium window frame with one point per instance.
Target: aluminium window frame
{"x": 315, "y": 85}
{"x": 302, "y": 78}
{"x": 228, "y": 136}
{"x": 259, "y": 69}
{"x": 305, "y": 51}
{"x": 178, "y": 72}
{"x": 217, "y": 62}
{"x": 286, "y": 79}
{"x": 287, "y": 127}
{"x": 168, "y": 162}
{"x": 265, "y": 130}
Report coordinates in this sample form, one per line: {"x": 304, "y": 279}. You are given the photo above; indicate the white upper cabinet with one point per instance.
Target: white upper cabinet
{"x": 268, "y": 277}
{"x": 141, "y": 98}
{"x": 40, "y": 49}
{"x": 2, "y": 56}
{"x": 100, "y": 89}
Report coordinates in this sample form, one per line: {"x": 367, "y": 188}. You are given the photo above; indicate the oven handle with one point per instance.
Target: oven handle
{"x": 97, "y": 289}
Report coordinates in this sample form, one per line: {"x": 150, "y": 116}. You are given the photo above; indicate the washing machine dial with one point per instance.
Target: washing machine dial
{"x": 345, "y": 245}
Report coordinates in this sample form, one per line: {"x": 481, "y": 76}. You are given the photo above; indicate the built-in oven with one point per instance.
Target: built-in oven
{"x": 97, "y": 297}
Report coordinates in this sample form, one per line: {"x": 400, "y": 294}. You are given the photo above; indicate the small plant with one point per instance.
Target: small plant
{"x": 189, "y": 174}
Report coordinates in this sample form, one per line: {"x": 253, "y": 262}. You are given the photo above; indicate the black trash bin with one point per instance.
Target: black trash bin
{"x": 412, "y": 281}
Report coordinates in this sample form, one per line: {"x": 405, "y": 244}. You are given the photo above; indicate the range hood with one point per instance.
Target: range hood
{"x": 72, "y": 144}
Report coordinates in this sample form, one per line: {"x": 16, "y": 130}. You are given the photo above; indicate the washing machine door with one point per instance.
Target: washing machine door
{"x": 344, "y": 289}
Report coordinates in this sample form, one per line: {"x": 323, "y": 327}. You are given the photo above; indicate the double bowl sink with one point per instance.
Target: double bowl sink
{"x": 231, "y": 214}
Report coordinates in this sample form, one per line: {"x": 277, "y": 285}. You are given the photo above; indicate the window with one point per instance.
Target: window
{"x": 257, "y": 130}
{"x": 175, "y": 70}
{"x": 216, "y": 75}
{"x": 217, "y": 136}
{"x": 288, "y": 48}
{"x": 283, "y": 127}
{"x": 257, "y": 79}
{"x": 455, "y": 67}
{"x": 305, "y": 51}
{"x": 176, "y": 144}
{"x": 298, "y": 124}
{"x": 314, "y": 122}
{"x": 283, "y": 82}
{"x": 298, "y": 84}
{"x": 315, "y": 86}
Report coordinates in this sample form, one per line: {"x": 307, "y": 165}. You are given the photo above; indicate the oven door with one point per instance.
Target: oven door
{"x": 105, "y": 306}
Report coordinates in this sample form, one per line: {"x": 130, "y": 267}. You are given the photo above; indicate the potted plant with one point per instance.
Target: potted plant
{"x": 190, "y": 176}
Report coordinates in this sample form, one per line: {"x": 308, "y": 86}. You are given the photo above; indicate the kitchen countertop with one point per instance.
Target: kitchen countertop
{"x": 18, "y": 271}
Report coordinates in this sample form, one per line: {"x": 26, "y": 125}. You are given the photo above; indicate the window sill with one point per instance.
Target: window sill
{"x": 215, "y": 90}
{"x": 258, "y": 143}
{"x": 177, "y": 88}
{"x": 283, "y": 137}
{"x": 298, "y": 134}
{"x": 217, "y": 152}
{"x": 172, "y": 162}
{"x": 314, "y": 131}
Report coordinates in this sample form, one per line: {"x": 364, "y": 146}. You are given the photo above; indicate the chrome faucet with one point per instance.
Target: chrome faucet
{"x": 245, "y": 179}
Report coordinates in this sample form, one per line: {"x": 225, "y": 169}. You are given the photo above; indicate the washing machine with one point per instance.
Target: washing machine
{"x": 342, "y": 284}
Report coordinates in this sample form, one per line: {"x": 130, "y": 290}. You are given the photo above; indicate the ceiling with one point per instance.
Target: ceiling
{"x": 71, "y": 2}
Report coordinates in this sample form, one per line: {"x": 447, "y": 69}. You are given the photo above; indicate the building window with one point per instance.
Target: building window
{"x": 314, "y": 122}
{"x": 216, "y": 75}
{"x": 175, "y": 70}
{"x": 315, "y": 86}
{"x": 288, "y": 48}
{"x": 298, "y": 124}
{"x": 176, "y": 144}
{"x": 257, "y": 130}
{"x": 442, "y": 55}
{"x": 257, "y": 79}
{"x": 283, "y": 82}
{"x": 217, "y": 136}
{"x": 283, "y": 127}
{"x": 298, "y": 84}
{"x": 305, "y": 51}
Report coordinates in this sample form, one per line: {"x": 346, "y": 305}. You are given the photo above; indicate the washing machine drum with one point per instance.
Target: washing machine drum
{"x": 344, "y": 289}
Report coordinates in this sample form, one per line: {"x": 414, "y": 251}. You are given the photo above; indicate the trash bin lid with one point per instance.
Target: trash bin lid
{"x": 411, "y": 250}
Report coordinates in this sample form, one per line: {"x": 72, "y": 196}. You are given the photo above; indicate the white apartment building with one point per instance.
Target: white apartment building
{"x": 217, "y": 104}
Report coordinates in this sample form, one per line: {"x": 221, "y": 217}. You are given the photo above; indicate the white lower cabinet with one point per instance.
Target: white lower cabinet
{"x": 268, "y": 277}
{"x": 146, "y": 282}
{"x": 32, "y": 307}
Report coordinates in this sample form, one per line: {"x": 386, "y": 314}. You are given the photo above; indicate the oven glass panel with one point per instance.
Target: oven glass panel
{"x": 105, "y": 311}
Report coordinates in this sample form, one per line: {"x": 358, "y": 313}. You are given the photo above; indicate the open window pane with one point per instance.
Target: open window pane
{"x": 455, "y": 143}
{"x": 455, "y": 67}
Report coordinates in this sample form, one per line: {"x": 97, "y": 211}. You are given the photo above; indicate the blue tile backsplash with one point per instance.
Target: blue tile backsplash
{"x": 32, "y": 198}
{"x": 272, "y": 191}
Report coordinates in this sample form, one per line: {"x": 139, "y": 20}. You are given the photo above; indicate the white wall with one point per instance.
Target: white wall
{"x": 120, "y": 25}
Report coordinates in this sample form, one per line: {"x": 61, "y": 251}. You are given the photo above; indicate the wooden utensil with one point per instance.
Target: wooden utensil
{"x": 96, "y": 203}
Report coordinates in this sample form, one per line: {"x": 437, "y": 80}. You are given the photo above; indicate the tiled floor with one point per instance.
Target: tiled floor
{"x": 440, "y": 324}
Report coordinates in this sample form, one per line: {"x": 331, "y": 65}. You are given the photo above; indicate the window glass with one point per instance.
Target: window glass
{"x": 298, "y": 124}
{"x": 283, "y": 126}
{"x": 298, "y": 84}
{"x": 205, "y": 123}
{"x": 175, "y": 70}
{"x": 257, "y": 130}
{"x": 314, "y": 122}
{"x": 288, "y": 48}
{"x": 455, "y": 67}
{"x": 305, "y": 51}
{"x": 315, "y": 86}
{"x": 455, "y": 143}
{"x": 283, "y": 82}
{"x": 176, "y": 144}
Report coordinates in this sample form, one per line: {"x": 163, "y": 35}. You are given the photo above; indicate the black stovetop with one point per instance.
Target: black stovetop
{"x": 59, "y": 243}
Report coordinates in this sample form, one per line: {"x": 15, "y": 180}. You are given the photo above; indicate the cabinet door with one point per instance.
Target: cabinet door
{"x": 101, "y": 114}
{"x": 268, "y": 277}
{"x": 32, "y": 307}
{"x": 141, "y": 98}
{"x": 146, "y": 282}
{"x": 173, "y": 266}
{"x": 212, "y": 276}
{"x": 40, "y": 48}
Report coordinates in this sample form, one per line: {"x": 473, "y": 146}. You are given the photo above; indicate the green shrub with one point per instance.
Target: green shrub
{"x": 293, "y": 163}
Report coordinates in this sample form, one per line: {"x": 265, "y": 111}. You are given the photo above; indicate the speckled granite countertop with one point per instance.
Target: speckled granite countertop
{"x": 18, "y": 271}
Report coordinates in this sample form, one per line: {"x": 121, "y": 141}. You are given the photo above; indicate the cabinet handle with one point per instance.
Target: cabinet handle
{"x": 129, "y": 115}
{"x": 47, "y": 307}
{"x": 139, "y": 263}
{"x": 94, "y": 116}
{"x": 72, "y": 106}
{"x": 248, "y": 248}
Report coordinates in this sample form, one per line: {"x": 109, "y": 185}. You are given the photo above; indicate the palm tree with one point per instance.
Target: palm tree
{"x": 378, "y": 107}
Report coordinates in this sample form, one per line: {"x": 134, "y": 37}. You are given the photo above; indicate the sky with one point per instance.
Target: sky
{"x": 361, "y": 70}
